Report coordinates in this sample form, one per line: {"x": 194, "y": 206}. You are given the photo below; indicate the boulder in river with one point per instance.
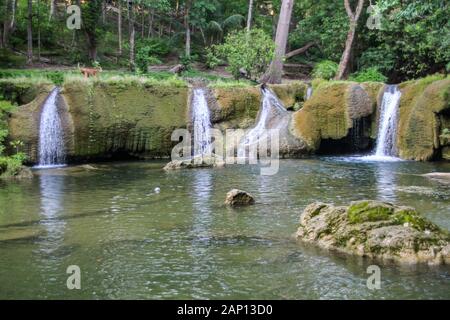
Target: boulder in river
{"x": 376, "y": 230}
{"x": 441, "y": 176}
{"x": 195, "y": 162}
{"x": 236, "y": 197}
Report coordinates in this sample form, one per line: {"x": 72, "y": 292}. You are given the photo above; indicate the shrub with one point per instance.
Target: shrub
{"x": 144, "y": 59}
{"x": 251, "y": 52}
{"x": 325, "y": 69}
{"x": 367, "y": 75}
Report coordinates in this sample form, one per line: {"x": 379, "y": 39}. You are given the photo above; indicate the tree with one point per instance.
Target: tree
{"x": 119, "y": 26}
{"x": 188, "y": 28}
{"x": 30, "y": 33}
{"x": 91, "y": 17}
{"x": 275, "y": 71}
{"x": 132, "y": 31}
{"x": 248, "y": 53}
{"x": 249, "y": 16}
{"x": 353, "y": 18}
{"x": 52, "y": 9}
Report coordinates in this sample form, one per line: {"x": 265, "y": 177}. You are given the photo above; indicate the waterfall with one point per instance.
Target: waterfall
{"x": 309, "y": 93}
{"x": 386, "y": 149}
{"x": 387, "y": 128}
{"x": 51, "y": 144}
{"x": 271, "y": 106}
{"x": 202, "y": 123}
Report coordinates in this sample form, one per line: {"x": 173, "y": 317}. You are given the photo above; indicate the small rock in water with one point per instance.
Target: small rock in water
{"x": 238, "y": 197}
{"x": 157, "y": 190}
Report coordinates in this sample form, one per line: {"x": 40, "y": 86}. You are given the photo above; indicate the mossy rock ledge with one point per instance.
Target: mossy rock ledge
{"x": 376, "y": 230}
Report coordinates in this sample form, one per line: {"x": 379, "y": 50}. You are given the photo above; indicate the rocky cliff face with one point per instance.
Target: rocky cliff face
{"x": 334, "y": 110}
{"x": 424, "y": 116}
{"x": 106, "y": 118}
{"x": 134, "y": 119}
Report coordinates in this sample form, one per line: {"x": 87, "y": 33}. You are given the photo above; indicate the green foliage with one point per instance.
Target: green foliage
{"x": 212, "y": 60}
{"x": 251, "y": 52}
{"x": 144, "y": 59}
{"x": 187, "y": 61}
{"x": 9, "y": 59}
{"x": 325, "y": 69}
{"x": 10, "y": 166}
{"x": 369, "y": 75}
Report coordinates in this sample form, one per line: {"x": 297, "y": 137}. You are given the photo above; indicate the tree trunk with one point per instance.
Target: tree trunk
{"x": 188, "y": 28}
{"x": 39, "y": 29}
{"x": 150, "y": 23}
{"x": 353, "y": 18}
{"x": 30, "y": 33}
{"x": 275, "y": 72}
{"x": 92, "y": 47}
{"x": 6, "y": 26}
{"x": 52, "y": 9}
{"x": 103, "y": 12}
{"x": 13, "y": 17}
{"x": 132, "y": 36}
{"x": 249, "y": 16}
{"x": 119, "y": 27}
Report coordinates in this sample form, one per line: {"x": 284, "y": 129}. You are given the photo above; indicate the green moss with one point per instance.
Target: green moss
{"x": 132, "y": 116}
{"x": 367, "y": 212}
{"x": 419, "y": 125}
{"x": 413, "y": 218}
{"x": 324, "y": 116}
{"x": 290, "y": 93}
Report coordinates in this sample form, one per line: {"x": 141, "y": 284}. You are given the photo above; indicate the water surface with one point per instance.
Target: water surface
{"x": 131, "y": 242}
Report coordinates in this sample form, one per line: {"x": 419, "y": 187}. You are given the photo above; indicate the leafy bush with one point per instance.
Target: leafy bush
{"x": 325, "y": 69}
{"x": 156, "y": 47}
{"x": 10, "y": 166}
{"x": 250, "y": 52}
{"x": 212, "y": 60}
{"x": 144, "y": 59}
{"x": 370, "y": 74}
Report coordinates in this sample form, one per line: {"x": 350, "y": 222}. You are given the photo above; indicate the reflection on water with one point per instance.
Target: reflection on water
{"x": 184, "y": 243}
{"x": 52, "y": 209}
{"x": 386, "y": 183}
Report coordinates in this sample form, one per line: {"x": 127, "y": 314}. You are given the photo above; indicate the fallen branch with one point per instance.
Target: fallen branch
{"x": 300, "y": 50}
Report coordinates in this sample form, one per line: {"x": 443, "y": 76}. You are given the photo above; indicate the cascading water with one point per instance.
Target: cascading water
{"x": 202, "y": 123}
{"x": 309, "y": 93}
{"x": 386, "y": 149}
{"x": 387, "y": 128}
{"x": 271, "y": 105}
{"x": 51, "y": 144}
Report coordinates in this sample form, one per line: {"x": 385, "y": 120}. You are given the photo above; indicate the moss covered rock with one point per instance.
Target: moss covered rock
{"x": 290, "y": 93}
{"x": 376, "y": 230}
{"x": 331, "y": 111}
{"x": 235, "y": 107}
{"x": 133, "y": 118}
{"x": 424, "y": 107}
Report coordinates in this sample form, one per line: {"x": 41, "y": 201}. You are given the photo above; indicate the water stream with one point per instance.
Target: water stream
{"x": 51, "y": 142}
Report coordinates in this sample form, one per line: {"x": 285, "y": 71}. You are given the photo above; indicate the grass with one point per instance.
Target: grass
{"x": 130, "y": 80}
{"x": 231, "y": 84}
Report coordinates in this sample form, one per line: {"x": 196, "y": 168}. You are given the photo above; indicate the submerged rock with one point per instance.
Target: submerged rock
{"x": 195, "y": 162}
{"x": 441, "y": 176}
{"x": 22, "y": 173}
{"x": 236, "y": 197}
{"x": 376, "y": 230}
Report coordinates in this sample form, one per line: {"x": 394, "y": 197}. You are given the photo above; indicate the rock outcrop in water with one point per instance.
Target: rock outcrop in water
{"x": 239, "y": 198}
{"x": 331, "y": 112}
{"x": 195, "y": 162}
{"x": 376, "y": 230}
{"x": 424, "y": 113}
